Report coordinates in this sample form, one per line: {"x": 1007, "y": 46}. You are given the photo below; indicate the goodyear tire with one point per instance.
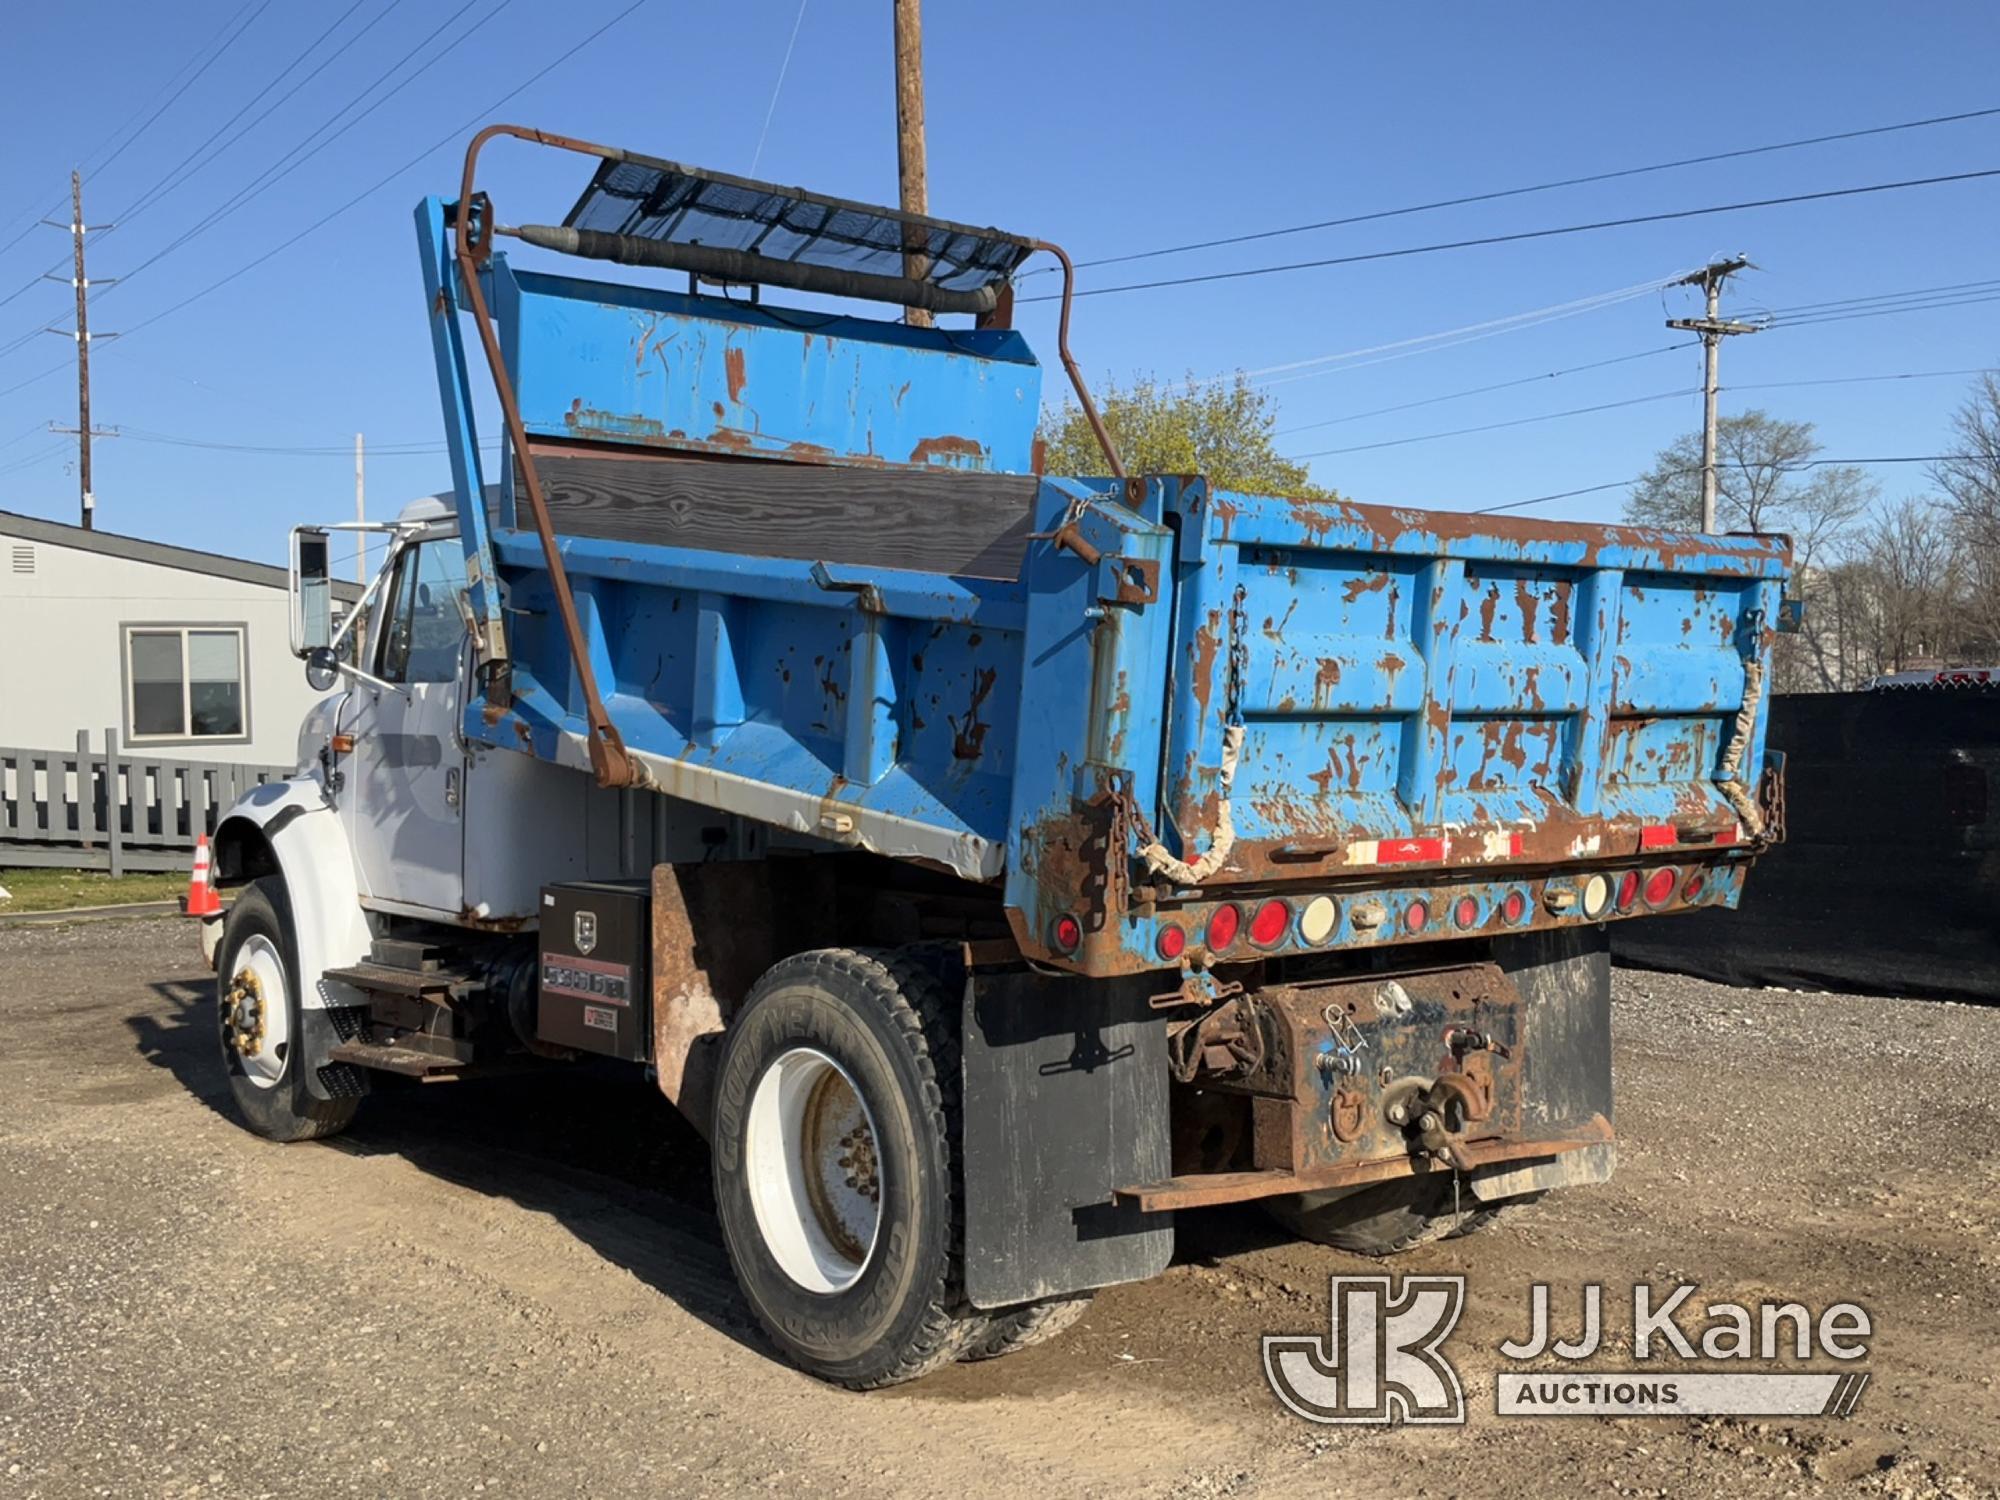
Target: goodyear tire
{"x": 258, "y": 1023}
{"x": 1389, "y": 1217}
{"x": 836, "y": 1166}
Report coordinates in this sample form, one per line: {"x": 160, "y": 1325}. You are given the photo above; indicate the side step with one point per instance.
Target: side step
{"x": 411, "y": 1062}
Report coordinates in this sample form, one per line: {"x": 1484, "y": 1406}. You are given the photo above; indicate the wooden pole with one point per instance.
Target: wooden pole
{"x": 910, "y": 136}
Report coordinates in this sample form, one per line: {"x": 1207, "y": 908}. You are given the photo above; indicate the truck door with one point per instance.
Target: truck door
{"x": 406, "y": 774}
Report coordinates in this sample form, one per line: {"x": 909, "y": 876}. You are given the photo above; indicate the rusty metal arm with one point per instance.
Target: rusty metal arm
{"x": 608, "y": 757}
{"x": 1069, "y": 362}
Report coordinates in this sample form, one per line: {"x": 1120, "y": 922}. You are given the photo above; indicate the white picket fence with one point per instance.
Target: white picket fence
{"x": 103, "y": 810}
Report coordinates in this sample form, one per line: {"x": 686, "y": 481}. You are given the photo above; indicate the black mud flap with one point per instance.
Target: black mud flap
{"x": 1065, "y": 1100}
{"x": 1564, "y": 976}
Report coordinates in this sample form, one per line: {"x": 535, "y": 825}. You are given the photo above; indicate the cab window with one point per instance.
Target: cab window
{"x": 423, "y": 628}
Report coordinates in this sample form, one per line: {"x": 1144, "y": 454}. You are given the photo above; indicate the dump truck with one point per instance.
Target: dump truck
{"x": 989, "y": 864}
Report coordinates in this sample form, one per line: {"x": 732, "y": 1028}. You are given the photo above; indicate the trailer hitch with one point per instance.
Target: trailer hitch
{"x": 1434, "y": 1116}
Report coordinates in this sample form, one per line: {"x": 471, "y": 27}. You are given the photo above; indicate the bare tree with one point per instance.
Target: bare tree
{"x": 1916, "y": 569}
{"x": 1767, "y": 481}
{"x": 1970, "y": 479}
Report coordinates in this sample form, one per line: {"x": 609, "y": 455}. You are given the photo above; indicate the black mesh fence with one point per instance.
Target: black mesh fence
{"x": 1889, "y": 880}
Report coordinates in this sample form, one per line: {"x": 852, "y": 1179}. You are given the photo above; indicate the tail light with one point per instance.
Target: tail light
{"x": 1596, "y": 897}
{"x": 1172, "y": 941}
{"x": 1416, "y": 916}
{"x": 1696, "y": 887}
{"x": 1465, "y": 913}
{"x": 1067, "y": 933}
{"x": 1316, "y": 922}
{"x": 1514, "y": 907}
{"x": 1628, "y": 890}
{"x": 1659, "y": 888}
{"x": 1223, "y": 923}
{"x": 1269, "y": 924}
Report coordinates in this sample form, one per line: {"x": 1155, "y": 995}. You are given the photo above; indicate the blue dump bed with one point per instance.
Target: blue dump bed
{"x": 814, "y": 584}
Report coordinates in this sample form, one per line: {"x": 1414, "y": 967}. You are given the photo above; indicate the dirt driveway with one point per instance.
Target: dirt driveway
{"x": 517, "y": 1287}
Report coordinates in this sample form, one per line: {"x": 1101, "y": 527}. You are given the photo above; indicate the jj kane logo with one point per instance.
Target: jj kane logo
{"x": 1381, "y": 1360}
{"x": 1383, "y": 1357}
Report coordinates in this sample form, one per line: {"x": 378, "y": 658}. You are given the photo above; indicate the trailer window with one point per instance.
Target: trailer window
{"x": 424, "y": 631}
{"x": 184, "y": 683}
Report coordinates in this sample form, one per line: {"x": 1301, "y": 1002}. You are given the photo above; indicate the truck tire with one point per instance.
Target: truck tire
{"x": 837, "y": 1184}
{"x": 1389, "y": 1217}
{"x": 1024, "y": 1327}
{"x": 258, "y": 1025}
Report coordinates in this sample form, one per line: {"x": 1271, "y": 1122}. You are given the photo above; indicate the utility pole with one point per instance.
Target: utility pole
{"x": 1713, "y": 328}
{"x": 360, "y": 518}
{"x": 910, "y": 136}
{"x": 83, "y": 430}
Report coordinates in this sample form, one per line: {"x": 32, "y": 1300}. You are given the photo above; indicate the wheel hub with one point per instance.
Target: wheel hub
{"x": 243, "y": 1013}
{"x": 814, "y": 1170}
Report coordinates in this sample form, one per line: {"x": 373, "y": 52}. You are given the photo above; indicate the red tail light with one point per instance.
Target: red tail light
{"x": 1696, "y": 887}
{"x": 1417, "y": 916}
{"x": 1466, "y": 912}
{"x": 1660, "y": 886}
{"x": 1222, "y": 926}
{"x": 1172, "y": 941}
{"x": 1515, "y": 907}
{"x": 1268, "y": 926}
{"x": 1067, "y": 933}
{"x": 1628, "y": 889}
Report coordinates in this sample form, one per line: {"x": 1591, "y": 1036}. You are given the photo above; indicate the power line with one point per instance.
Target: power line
{"x": 1927, "y": 305}
{"x": 1481, "y": 390}
{"x": 1920, "y": 291}
{"x": 383, "y": 182}
{"x": 1299, "y": 369}
{"x": 1619, "y": 484}
{"x": 95, "y": 166}
{"x": 778, "y": 88}
{"x": 1547, "y": 416}
{"x": 1540, "y": 187}
{"x": 1529, "y": 234}
{"x": 1580, "y": 411}
{"x": 298, "y": 157}
{"x": 176, "y": 175}
{"x": 1783, "y": 385}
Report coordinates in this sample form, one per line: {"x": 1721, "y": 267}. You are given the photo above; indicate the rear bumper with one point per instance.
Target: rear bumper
{"x": 1498, "y": 1070}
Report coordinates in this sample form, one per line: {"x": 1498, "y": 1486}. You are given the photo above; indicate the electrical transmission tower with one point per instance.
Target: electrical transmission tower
{"x": 1713, "y": 328}
{"x": 83, "y": 430}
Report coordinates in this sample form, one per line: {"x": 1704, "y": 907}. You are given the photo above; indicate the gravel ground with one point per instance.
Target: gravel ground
{"x": 516, "y": 1287}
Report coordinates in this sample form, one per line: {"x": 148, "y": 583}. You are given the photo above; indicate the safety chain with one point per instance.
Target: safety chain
{"x": 1222, "y": 838}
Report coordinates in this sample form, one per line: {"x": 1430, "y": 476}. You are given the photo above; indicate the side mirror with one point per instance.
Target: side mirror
{"x": 322, "y": 668}
{"x": 312, "y": 593}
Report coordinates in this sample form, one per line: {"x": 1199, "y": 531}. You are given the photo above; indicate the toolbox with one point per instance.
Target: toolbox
{"x": 595, "y": 976}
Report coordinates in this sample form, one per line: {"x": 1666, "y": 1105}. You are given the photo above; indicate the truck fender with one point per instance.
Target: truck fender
{"x": 286, "y": 828}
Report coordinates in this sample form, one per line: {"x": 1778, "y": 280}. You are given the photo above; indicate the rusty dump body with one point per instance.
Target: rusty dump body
{"x": 1321, "y": 803}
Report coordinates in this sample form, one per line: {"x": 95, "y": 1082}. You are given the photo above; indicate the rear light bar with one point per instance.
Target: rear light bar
{"x": 1239, "y": 931}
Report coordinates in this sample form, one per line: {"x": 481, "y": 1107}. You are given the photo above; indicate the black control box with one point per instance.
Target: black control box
{"x": 596, "y": 969}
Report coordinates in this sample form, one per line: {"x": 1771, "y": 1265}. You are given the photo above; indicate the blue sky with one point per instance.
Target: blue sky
{"x": 1110, "y": 128}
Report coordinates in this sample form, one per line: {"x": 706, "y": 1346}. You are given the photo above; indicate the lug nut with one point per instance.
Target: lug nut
{"x": 1398, "y": 1114}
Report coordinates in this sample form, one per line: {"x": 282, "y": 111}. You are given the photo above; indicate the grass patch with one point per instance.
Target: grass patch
{"x": 61, "y": 890}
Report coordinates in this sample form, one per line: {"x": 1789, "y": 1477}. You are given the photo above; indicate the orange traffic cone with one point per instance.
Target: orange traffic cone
{"x": 201, "y": 900}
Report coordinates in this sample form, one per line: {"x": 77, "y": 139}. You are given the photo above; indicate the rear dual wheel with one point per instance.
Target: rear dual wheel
{"x": 837, "y": 1175}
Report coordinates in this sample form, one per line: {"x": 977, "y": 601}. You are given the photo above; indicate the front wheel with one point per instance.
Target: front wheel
{"x": 257, "y": 1014}
{"x": 836, "y": 1166}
